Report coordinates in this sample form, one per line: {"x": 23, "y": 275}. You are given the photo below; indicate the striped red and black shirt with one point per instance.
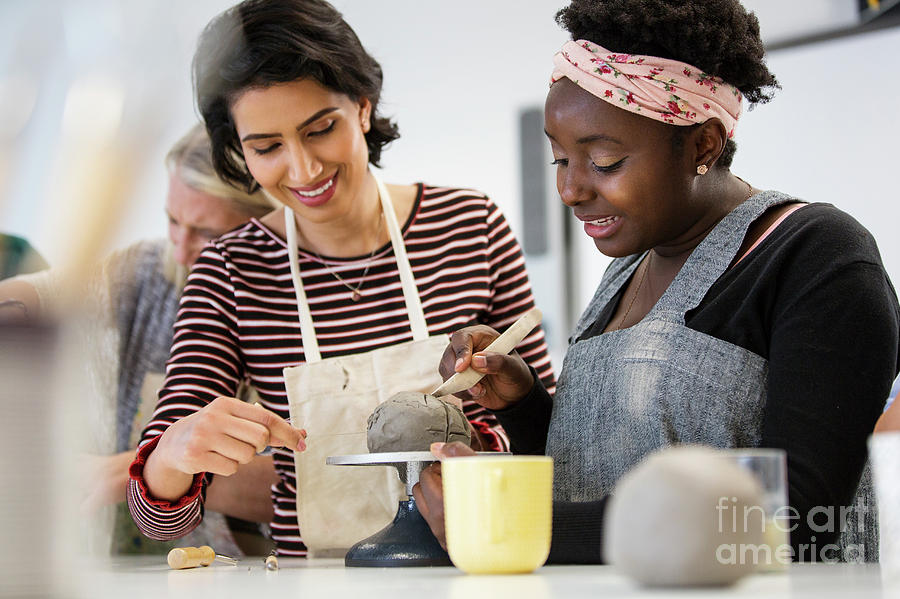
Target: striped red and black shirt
{"x": 238, "y": 321}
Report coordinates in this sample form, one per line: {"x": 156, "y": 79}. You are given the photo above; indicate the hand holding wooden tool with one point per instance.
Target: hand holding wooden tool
{"x": 505, "y": 343}
{"x": 191, "y": 557}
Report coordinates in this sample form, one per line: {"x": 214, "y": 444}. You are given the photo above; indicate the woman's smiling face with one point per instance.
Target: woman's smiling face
{"x": 620, "y": 172}
{"x": 305, "y": 145}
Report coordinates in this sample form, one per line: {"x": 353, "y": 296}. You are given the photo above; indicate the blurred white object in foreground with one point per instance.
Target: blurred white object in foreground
{"x": 665, "y": 525}
{"x": 36, "y": 442}
{"x": 884, "y": 453}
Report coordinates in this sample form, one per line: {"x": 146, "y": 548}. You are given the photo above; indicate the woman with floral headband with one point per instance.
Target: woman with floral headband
{"x": 731, "y": 316}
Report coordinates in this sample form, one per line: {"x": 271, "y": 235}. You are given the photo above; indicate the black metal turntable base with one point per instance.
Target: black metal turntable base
{"x": 407, "y": 541}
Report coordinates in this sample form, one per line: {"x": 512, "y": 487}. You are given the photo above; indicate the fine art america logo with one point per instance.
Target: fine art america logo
{"x": 734, "y": 518}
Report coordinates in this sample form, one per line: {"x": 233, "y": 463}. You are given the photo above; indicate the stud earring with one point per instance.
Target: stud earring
{"x": 702, "y": 169}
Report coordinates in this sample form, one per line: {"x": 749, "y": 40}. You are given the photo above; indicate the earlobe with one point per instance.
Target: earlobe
{"x": 710, "y": 143}
{"x": 365, "y": 114}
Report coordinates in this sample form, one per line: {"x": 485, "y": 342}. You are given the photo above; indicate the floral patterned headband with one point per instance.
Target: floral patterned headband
{"x": 672, "y": 91}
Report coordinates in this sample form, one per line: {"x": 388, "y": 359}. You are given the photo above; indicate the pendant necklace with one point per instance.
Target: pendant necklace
{"x": 646, "y": 266}
{"x": 355, "y": 293}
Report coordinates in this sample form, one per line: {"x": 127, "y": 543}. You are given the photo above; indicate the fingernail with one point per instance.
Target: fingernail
{"x": 458, "y": 365}
{"x": 435, "y": 447}
{"x": 301, "y": 445}
{"x": 479, "y": 360}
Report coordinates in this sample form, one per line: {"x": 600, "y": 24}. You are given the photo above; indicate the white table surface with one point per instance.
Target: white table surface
{"x": 135, "y": 577}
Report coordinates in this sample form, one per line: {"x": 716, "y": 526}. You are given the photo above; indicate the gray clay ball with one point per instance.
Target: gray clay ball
{"x": 411, "y": 421}
{"x": 663, "y": 527}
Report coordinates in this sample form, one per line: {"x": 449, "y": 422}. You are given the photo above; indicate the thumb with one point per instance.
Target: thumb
{"x": 451, "y": 450}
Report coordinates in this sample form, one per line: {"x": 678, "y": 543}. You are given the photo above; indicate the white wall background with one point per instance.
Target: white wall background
{"x": 456, "y": 76}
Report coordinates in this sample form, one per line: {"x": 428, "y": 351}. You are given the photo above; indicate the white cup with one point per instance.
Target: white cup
{"x": 884, "y": 455}
{"x": 769, "y": 466}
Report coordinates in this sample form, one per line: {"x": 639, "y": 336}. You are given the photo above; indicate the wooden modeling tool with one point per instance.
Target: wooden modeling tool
{"x": 181, "y": 558}
{"x": 505, "y": 343}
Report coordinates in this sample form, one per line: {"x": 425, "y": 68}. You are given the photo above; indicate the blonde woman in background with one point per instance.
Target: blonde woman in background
{"x": 133, "y": 300}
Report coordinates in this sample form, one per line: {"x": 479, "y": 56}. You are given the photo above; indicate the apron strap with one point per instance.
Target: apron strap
{"x": 407, "y": 280}
{"x": 307, "y": 330}
{"x": 714, "y": 255}
{"x": 771, "y": 228}
{"x": 410, "y": 291}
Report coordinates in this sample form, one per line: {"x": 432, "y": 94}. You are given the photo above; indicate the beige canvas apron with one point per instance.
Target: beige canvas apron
{"x": 332, "y": 398}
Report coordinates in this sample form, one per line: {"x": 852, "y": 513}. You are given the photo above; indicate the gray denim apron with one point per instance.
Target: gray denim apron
{"x": 626, "y": 393}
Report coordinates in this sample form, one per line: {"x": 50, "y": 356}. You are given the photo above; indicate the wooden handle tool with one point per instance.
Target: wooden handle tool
{"x": 505, "y": 343}
{"x": 191, "y": 557}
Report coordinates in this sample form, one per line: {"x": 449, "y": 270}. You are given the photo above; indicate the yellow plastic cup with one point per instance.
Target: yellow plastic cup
{"x": 498, "y": 512}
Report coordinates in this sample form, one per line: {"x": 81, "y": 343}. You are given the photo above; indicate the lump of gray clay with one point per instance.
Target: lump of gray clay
{"x": 663, "y": 527}
{"x": 412, "y": 421}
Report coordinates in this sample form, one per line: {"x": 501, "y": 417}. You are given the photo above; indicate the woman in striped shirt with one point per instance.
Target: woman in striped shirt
{"x": 290, "y": 99}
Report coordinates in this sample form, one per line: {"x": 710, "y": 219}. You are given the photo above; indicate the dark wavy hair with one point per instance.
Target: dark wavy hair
{"x": 259, "y": 43}
{"x": 717, "y": 36}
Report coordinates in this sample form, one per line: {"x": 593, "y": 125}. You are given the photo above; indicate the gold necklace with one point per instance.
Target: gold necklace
{"x": 355, "y": 292}
{"x": 749, "y": 188}
{"x": 646, "y": 266}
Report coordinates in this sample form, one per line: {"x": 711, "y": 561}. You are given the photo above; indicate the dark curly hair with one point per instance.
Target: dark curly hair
{"x": 259, "y": 43}
{"x": 717, "y": 36}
